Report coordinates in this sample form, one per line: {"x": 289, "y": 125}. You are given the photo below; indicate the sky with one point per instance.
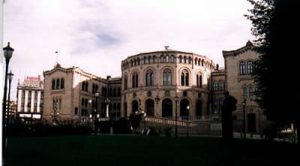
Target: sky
{"x": 96, "y": 35}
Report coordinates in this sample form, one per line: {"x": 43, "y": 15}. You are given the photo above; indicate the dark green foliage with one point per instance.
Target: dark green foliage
{"x": 275, "y": 24}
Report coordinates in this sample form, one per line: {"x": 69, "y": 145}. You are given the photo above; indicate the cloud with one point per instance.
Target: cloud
{"x": 96, "y": 35}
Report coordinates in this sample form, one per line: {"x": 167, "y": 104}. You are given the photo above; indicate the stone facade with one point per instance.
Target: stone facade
{"x": 152, "y": 80}
{"x": 162, "y": 83}
{"x": 240, "y": 84}
{"x": 73, "y": 94}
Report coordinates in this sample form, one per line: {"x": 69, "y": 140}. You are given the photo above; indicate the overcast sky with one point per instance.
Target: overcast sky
{"x": 96, "y": 35}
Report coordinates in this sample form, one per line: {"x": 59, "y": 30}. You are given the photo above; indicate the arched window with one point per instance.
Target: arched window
{"x": 53, "y": 83}
{"x": 149, "y": 59}
{"x": 251, "y": 93}
{"x": 196, "y": 61}
{"x": 162, "y": 58}
{"x": 221, "y": 85}
{"x": 145, "y": 60}
{"x": 199, "y": 80}
{"x": 184, "y": 78}
{"x": 135, "y": 80}
{"x": 180, "y": 59}
{"x": 249, "y": 67}
{"x": 167, "y": 107}
{"x": 131, "y": 63}
{"x": 149, "y": 105}
{"x": 167, "y": 58}
{"x": 184, "y": 59}
{"x": 62, "y": 83}
{"x": 134, "y": 106}
{"x": 149, "y": 78}
{"x": 245, "y": 92}
{"x": 138, "y": 61}
{"x": 190, "y": 60}
{"x": 242, "y": 68}
{"x": 184, "y": 108}
{"x": 154, "y": 58}
{"x": 167, "y": 77}
{"x": 57, "y": 84}
{"x": 172, "y": 58}
{"x": 125, "y": 81}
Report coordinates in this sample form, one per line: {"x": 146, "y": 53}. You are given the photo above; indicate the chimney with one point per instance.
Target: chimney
{"x": 108, "y": 77}
{"x": 166, "y": 47}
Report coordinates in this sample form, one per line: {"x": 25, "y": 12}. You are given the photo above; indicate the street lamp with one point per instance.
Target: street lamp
{"x": 187, "y": 123}
{"x": 96, "y": 115}
{"x": 8, "y": 51}
{"x": 107, "y": 101}
{"x": 244, "y": 118}
{"x": 10, "y": 77}
{"x": 176, "y": 100}
{"x": 156, "y": 101}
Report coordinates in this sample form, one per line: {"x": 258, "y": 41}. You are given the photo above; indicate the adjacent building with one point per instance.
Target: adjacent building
{"x": 30, "y": 98}
{"x": 240, "y": 83}
{"x": 72, "y": 94}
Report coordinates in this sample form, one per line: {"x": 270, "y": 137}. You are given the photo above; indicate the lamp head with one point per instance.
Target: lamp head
{"x": 8, "y": 51}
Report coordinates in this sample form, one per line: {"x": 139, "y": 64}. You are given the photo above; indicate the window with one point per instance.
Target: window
{"x": 58, "y": 83}
{"x": 180, "y": 59}
{"x": 149, "y": 59}
{"x": 221, "y": 85}
{"x": 53, "y": 83}
{"x": 167, "y": 77}
{"x": 249, "y": 67}
{"x": 135, "y": 80}
{"x": 199, "y": 80}
{"x": 245, "y": 92}
{"x": 84, "y": 86}
{"x": 215, "y": 85}
{"x": 62, "y": 83}
{"x": 57, "y": 86}
{"x": 184, "y": 78}
{"x": 251, "y": 93}
{"x": 167, "y": 58}
{"x": 190, "y": 60}
{"x": 242, "y": 68}
{"x": 95, "y": 88}
{"x": 76, "y": 111}
{"x": 149, "y": 78}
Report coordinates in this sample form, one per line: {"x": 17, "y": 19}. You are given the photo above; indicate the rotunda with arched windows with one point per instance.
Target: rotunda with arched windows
{"x": 163, "y": 83}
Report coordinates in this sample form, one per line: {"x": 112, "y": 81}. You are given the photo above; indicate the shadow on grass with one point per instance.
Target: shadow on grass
{"x": 142, "y": 150}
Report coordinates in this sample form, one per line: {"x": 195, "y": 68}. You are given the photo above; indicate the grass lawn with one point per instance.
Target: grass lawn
{"x": 142, "y": 150}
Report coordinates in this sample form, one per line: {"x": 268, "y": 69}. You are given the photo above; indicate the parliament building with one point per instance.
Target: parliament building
{"x": 164, "y": 84}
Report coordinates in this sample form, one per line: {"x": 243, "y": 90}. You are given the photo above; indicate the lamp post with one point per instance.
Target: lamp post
{"x": 95, "y": 116}
{"x": 187, "y": 122}
{"x": 244, "y": 118}
{"x": 107, "y": 101}
{"x": 10, "y": 77}
{"x": 156, "y": 101}
{"x": 8, "y": 51}
{"x": 176, "y": 100}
